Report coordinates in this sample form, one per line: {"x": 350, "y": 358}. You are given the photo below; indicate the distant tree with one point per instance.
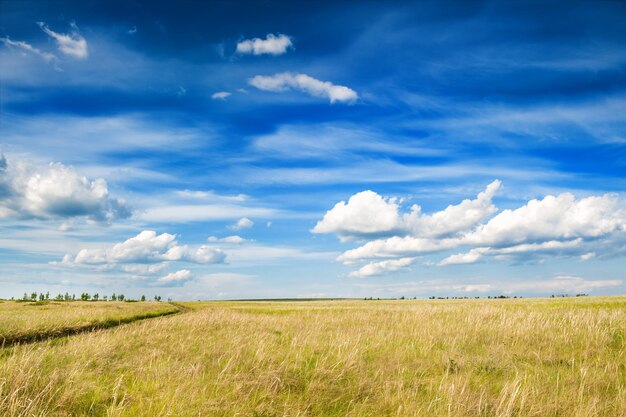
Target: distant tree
{"x": 25, "y": 297}
{"x": 73, "y": 297}
{"x": 113, "y": 297}
{"x": 143, "y": 298}
{"x": 59, "y": 297}
{"x": 157, "y": 298}
{"x": 106, "y": 297}
{"x": 96, "y": 296}
{"x": 120, "y": 297}
{"x": 47, "y": 295}
{"x": 169, "y": 299}
{"x": 33, "y": 296}
{"x": 41, "y": 296}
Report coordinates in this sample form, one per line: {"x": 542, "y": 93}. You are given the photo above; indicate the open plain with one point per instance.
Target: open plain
{"x": 510, "y": 357}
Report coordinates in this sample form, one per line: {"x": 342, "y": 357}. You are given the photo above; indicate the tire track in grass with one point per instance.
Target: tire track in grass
{"x": 45, "y": 335}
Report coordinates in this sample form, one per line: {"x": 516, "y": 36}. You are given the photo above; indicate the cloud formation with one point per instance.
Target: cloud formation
{"x": 55, "y": 192}
{"x": 228, "y": 239}
{"x": 221, "y": 95}
{"x": 271, "y": 45}
{"x": 46, "y": 56}
{"x": 146, "y": 248}
{"x": 243, "y": 223}
{"x": 367, "y": 215}
{"x": 176, "y": 277}
{"x": 289, "y": 81}
{"x": 72, "y": 44}
{"x": 555, "y": 226}
{"x": 379, "y": 268}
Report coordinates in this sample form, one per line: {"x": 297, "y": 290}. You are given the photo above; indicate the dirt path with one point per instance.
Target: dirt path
{"x": 71, "y": 331}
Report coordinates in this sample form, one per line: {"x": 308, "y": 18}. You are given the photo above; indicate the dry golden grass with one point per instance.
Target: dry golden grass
{"x": 563, "y": 357}
{"x": 22, "y": 321}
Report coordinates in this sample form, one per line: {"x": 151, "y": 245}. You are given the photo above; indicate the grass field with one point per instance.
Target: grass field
{"x": 543, "y": 357}
{"x": 26, "y": 321}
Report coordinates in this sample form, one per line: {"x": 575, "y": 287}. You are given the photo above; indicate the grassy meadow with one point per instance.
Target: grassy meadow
{"x": 26, "y": 321}
{"x": 511, "y": 357}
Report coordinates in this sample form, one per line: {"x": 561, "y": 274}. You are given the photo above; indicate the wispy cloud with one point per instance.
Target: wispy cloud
{"x": 382, "y": 267}
{"x": 286, "y": 81}
{"x": 46, "y": 56}
{"x": 221, "y": 95}
{"x": 72, "y": 44}
{"x": 228, "y": 239}
{"x": 271, "y": 45}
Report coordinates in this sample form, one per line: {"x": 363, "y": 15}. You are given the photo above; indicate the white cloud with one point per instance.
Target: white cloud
{"x": 555, "y": 226}
{"x": 144, "y": 269}
{"x": 553, "y": 217}
{"x": 221, "y": 95}
{"x": 397, "y": 246}
{"x": 272, "y": 45}
{"x": 146, "y": 248}
{"x": 210, "y": 195}
{"x": 176, "y": 277}
{"x": 511, "y": 252}
{"x": 200, "y": 212}
{"x": 46, "y": 56}
{"x": 454, "y": 218}
{"x": 242, "y": 223}
{"x": 367, "y": 214}
{"x": 587, "y": 256}
{"x": 228, "y": 239}
{"x": 464, "y": 258}
{"x": 285, "y": 81}
{"x": 55, "y": 192}
{"x": 378, "y": 268}
{"x": 72, "y": 44}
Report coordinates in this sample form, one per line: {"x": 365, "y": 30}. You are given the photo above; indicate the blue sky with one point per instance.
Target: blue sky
{"x": 299, "y": 149}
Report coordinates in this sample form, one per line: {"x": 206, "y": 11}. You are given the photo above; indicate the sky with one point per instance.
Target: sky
{"x": 269, "y": 149}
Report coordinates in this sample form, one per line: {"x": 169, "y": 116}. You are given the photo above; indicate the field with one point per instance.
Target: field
{"x": 29, "y": 321}
{"x": 541, "y": 357}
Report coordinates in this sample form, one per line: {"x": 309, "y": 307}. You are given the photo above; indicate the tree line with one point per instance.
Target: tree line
{"x": 34, "y": 296}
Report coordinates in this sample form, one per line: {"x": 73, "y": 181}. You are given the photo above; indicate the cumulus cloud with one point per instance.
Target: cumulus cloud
{"x": 454, "y": 218}
{"x": 367, "y": 214}
{"x": 55, "y": 192}
{"x": 271, "y": 45}
{"x": 288, "y": 81}
{"x": 72, "y": 44}
{"x": 555, "y": 226}
{"x": 176, "y": 277}
{"x": 145, "y": 248}
{"x": 221, "y": 95}
{"x": 378, "y": 268}
{"x": 553, "y": 217}
{"x": 243, "y": 223}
